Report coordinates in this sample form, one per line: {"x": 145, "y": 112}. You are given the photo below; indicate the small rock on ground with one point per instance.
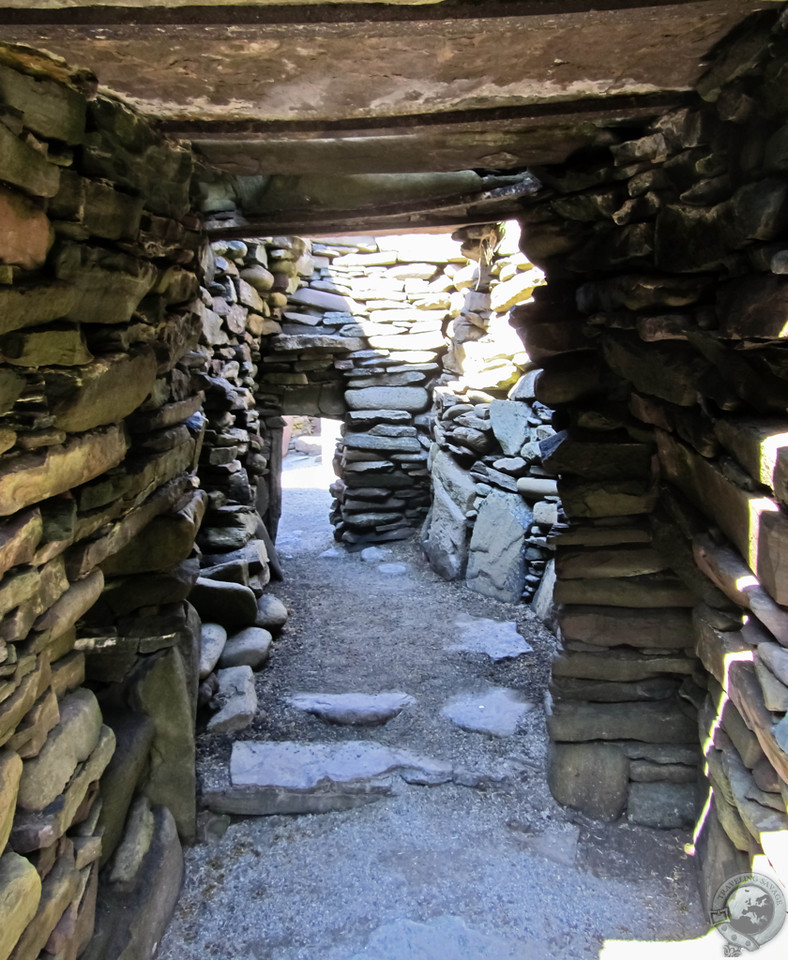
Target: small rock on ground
{"x": 356, "y": 709}
{"x": 271, "y": 613}
{"x": 238, "y": 700}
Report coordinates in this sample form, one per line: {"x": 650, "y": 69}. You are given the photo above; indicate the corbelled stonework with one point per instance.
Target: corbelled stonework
{"x": 144, "y": 372}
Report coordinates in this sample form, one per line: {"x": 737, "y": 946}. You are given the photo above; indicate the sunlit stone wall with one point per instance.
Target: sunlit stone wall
{"x": 661, "y": 338}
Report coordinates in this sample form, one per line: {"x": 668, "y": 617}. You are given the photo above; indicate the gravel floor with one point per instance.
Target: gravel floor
{"x": 494, "y": 871}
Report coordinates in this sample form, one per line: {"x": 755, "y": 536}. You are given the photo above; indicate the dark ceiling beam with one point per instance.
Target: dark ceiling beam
{"x": 549, "y": 110}
{"x": 232, "y": 14}
{"x": 498, "y": 203}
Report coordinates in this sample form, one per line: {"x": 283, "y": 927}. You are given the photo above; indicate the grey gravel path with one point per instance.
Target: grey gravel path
{"x": 494, "y": 870}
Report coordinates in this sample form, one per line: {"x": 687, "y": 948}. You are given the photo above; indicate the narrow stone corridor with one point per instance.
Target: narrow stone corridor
{"x": 482, "y": 865}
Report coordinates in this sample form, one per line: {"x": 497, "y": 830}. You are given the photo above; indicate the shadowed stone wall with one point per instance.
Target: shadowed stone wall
{"x": 99, "y": 507}
{"x": 661, "y": 337}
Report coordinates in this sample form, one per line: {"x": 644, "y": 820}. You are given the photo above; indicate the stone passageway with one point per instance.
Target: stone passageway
{"x": 482, "y": 863}
{"x": 623, "y": 450}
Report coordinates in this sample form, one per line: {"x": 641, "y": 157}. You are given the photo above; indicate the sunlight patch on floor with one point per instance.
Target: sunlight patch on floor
{"x": 710, "y": 947}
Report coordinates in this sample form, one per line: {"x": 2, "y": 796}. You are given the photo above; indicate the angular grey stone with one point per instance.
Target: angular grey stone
{"x": 447, "y": 534}
{"x": 496, "y": 561}
{"x": 323, "y": 300}
{"x": 497, "y": 711}
{"x": 230, "y": 604}
{"x": 497, "y": 639}
{"x": 164, "y": 687}
{"x": 213, "y": 637}
{"x": 590, "y": 777}
{"x": 130, "y": 922}
{"x": 366, "y": 441}
{"x": 134, "y": 734}
{"x": 271, "y": 613}
{"x": 250, "y": 647}
{"x": 352, "y": 709}
{"x": 780, "y": 731}
{"x": 664, "y": 805}
{"x": 367, "y": 418}
{"x": 238, "y": 700}
{"x": 412, "y": 399}
{"x": 509, "y": 419}
{"x": 542, "y": 604}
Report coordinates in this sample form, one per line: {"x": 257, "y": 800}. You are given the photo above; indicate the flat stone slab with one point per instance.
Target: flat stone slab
{"x": 497, "y": 711}
{"x": 497, "y": 639}
{"x": 354, "y": 709}
{"x": 558, "y": 843}
{"x": 288, "y": 777}
{"x": 373, "y": 554}
{"x": 393, "y": 569}
{"x": 447, "y": 937}
{"x": 303, "y": 766}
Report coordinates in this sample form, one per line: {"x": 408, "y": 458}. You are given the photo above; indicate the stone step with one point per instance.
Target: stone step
{"x": 289, "y": 777}
{"x": 353, "y": 709}
{"x": 496, "y": 639}
{"x": 497, "y": 711}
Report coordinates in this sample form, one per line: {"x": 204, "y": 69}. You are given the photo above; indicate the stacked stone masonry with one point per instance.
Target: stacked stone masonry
{"x": 660, "y": 334}
{"x": 99, "y": 509}
{"x": 144, "y": 377}
{"x": 492, "y": 502}
{"x": 364, "y": 330}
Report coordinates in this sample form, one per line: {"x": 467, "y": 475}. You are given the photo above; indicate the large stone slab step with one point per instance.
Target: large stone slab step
{"x": 279, "y": 777}
{"x": 352, "y": 709}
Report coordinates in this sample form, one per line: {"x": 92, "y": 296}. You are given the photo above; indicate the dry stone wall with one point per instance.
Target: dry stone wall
{"x": 98, "y": 513}
{"x": 239, "y": 471}
{"x": 362, "y": 329}
{"x": 660, "y": 334}
{"x": 492, "y": 502}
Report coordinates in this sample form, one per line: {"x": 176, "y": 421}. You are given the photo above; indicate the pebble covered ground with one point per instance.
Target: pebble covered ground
{"x": 486, "y": 871}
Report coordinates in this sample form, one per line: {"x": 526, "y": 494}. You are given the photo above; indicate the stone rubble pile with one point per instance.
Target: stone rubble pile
{"x": 492, "y": 502}
{"x": 99, "y": 510}
{"x": 661, "y": 340}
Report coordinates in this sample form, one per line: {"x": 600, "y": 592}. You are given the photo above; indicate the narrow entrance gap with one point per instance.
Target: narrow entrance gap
{"x": 306, "y": 477}
{"x": 444, "y": 854}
